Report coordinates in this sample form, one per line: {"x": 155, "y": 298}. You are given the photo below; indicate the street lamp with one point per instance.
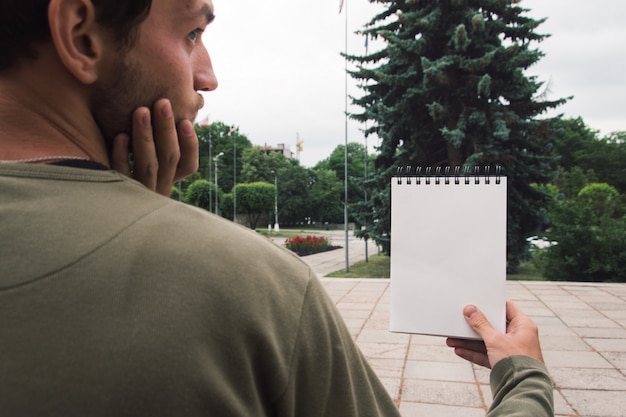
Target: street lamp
{"x": 216, "y": 193}
{"x": 276, "y": 226}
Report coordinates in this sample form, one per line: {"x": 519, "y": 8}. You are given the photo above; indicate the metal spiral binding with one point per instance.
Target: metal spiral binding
{"x": 427, "y": 176}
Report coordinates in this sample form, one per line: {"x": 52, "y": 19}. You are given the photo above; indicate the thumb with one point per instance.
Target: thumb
{"x": 478, "y": 322}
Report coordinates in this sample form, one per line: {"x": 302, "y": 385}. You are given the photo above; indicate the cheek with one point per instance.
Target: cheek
{"x": 172, "y": 75}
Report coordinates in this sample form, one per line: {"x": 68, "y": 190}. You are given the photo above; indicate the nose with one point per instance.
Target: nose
{"x": 204, "y": 78}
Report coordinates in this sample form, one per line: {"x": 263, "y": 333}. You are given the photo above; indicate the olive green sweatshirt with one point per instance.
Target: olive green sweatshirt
{"x": 115, "y": 301}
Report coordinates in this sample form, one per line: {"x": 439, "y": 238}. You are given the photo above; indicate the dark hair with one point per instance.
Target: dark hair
{"x": 24, "y": 23}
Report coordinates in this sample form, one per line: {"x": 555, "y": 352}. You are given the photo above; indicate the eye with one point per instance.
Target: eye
{"x": 195, "y": 35}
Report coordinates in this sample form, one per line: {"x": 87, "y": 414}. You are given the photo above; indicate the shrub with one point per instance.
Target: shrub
{"x": 200, "y": 194}
{"x": 590, "y": 231}
{"x": 307, "y": 245}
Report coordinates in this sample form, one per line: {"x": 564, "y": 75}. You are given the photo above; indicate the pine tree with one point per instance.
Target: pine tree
{"x": 449, "y": 89}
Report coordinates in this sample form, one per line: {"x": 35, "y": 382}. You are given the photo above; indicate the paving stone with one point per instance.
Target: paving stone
{"x": 388, "y": 368}
{"x": 589, "y": 378}
{"x": 384, "y": 350}
{"x": 440, "y": 353}
{"x": 617, "y": 359}
{"x": 589, "y": 322}
{"x": 600, "y": 332}
{"x": 555, "y": 328}
{"x": 614, "y": 314}
{"x": 441, "y": 392}
{"x": 409, "y": 409}
{"x": 486, "y": 394}
{"x": 575, "y": 359}
{"x": 382, "y": 336}
{"x": 352, "y": 312}
{"x": 354, "y": 324}
{"x": 561, "y": 406}
{"x": 563, "y": 343}
{"x": 439, "y": 371}
{"x": 392, "y": 385}
{"x": 607, "y": 345}
{"x": 482, "y": 375}
{"x": 590, "y": 403}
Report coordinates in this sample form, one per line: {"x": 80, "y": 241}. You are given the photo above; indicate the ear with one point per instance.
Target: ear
{"x": 78, "y": 38}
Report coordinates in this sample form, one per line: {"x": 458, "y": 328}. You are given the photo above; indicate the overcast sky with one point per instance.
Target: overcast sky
{"x": 281, "y": 74}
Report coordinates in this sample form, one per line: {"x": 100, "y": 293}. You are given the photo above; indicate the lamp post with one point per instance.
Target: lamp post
{"x": 276, "y": 226}
{"x": 216, "y": 193}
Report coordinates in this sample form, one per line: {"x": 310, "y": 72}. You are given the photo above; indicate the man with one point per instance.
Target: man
{"x": 115, "y": 301}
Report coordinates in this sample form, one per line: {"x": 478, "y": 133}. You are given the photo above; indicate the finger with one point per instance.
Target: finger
{"x": 513, "y": 311}
{"x": 167, "y": 146}
{"x": 475, "y": 345}
{"x": 479, "y": 358}
{"x": 119, "y": 154}
{"x": 472, "y": 350}
{"x": 189, "y": 150}
{"x": 478, "y": 322}
{"x": 146, "y": 164}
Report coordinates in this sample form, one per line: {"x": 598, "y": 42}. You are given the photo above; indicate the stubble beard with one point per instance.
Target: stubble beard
{"x": 115, "y": 101}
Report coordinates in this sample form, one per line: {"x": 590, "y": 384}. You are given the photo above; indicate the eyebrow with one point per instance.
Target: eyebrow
{"x": 206, "y": 11}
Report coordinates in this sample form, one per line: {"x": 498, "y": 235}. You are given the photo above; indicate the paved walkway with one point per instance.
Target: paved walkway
{"x": 583, "y": 336}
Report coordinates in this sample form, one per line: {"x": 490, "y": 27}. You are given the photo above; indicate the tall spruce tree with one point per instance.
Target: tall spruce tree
{"x": 449, "y": 89}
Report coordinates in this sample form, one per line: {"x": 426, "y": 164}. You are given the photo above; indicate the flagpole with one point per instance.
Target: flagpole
{"x": 345, "y": 207}
{"x": 210, "y": 159}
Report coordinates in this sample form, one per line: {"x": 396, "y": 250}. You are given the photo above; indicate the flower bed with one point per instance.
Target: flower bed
{"x": 308, "y": 245}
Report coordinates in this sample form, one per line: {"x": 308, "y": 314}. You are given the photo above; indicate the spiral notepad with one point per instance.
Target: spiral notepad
{"x": 448, "y": 249}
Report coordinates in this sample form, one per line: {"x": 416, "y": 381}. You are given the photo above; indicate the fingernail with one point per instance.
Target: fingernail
{"x": 470, "y": 311}
{"x": 186, "y": 127}
{"x": 145, "y": 120}
{"x": 166, "y": 110}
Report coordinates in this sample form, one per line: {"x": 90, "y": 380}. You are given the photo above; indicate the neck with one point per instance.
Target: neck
{"x": 38, "y": 121}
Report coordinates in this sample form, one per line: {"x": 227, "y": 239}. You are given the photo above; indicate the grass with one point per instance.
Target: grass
{"x": 378, "y": 267}
{"x": 528, "y": 271}
{"x": 287, "y": 232}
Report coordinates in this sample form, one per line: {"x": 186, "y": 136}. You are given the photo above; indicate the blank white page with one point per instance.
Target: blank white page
{"x": 448, "y": 249}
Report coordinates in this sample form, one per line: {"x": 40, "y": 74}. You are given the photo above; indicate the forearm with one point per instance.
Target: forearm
{"x": 521, "y": 386}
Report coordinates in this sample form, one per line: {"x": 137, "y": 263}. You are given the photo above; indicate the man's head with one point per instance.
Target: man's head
{"x": 112, "y": 55}
{"x": 167, "y": 60}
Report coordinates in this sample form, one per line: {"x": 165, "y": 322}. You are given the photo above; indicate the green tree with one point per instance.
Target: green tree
{"x": 578, "y": 146}
{"x": 291, "y": 179}
{"x": 258, "y": 165}
{"x": 293, "y": 189}
{"x": 200, "y": 194}
{"x": 325, "y": 203}
{"x": 336, "y": 162}
{"x": 449, "y": 89}
{"x": 175, "y": 193}
{"x": 571, "y": 182}
{"x": 226, "y": 206}
{"x": 590, "y": 234}
{"x": 607, "y": 159}
{"x": 571, "y": 140}
{"x": 216, "y": 138}
{"x": 254, "y": 199}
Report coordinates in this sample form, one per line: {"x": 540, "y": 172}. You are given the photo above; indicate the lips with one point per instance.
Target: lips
{"x": 200, "y": 101}
{"x": 198, "y": 107}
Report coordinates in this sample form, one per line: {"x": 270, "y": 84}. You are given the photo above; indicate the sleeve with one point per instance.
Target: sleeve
{"x": 328, "y": 375}
{"x": 521, "y": 387}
